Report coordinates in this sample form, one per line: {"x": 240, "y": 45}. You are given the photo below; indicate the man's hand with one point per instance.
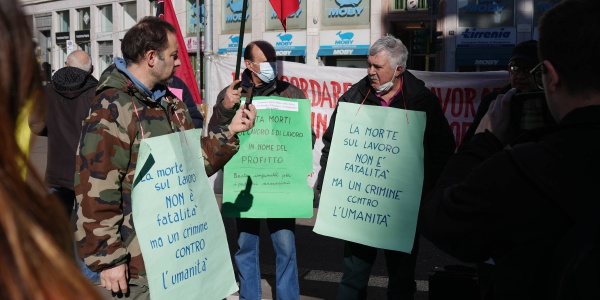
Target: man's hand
{"x": 243, "y": 119}
{"x": 232, "y": 95}
{"x": 115, "y": 279}
{"x": 497, "y": 118}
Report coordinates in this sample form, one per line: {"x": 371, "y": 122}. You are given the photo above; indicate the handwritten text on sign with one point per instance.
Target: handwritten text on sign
{"x": 372, "y": 185}
{"x": 177, "y": 220}
{"x": 273, "y": 163}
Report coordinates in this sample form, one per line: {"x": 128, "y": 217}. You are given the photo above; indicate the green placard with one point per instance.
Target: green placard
{"x": 177, "y": 221}
{"x": 268, "y": 177}
{"x": 372, "y": 186}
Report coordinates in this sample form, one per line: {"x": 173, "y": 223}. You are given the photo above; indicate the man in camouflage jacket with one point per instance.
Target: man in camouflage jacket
{"x": 132, "y": 101}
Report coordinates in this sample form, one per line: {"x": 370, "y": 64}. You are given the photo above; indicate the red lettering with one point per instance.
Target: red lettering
{"x": 284, "y": 78}
{"x": 347, "y": 86}
{"x": 316, "y": 93}
{"x": 337, "y": 88}
{"x": 457, "y": 99}
{"x": 326, "y": 95}
{"x": 319, "y": 123}
{"x": 471, "y": 93}
{"x": 446, "y": 100}
{"x": 303, "y": 86}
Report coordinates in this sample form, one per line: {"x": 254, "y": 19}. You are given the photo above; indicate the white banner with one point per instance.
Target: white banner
{"x": 459, "y": 92}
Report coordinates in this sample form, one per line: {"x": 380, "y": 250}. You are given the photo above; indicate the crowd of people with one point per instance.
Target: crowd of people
{"x": 515, "y": 198}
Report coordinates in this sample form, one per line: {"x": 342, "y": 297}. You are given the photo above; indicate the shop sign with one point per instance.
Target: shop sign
{"x": 344, "y": 42}
{"x": 486, "y": 37}
{"x": 346, "y": 12}
{"x": 486, "y": 13}
{"x": 287, "y": 44}
{"x": 232, "y": 15}
{"x": 228, "y": 43}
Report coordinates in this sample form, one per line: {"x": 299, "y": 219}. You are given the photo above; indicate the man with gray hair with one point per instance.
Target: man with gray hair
{"x": 389, "y": 84}
{"x": 81, "y": 60}
{"x": 68, "y": 98}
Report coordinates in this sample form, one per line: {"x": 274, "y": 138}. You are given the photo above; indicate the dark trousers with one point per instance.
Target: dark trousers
{"x": 358, "y": 262}
{"x": 66, "y": 197}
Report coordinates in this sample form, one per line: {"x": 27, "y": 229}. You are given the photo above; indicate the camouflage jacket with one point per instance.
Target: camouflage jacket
{"x": 106, "y": 162}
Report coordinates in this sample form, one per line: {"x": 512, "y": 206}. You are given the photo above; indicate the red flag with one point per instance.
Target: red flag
{"x": 185, "y": 71}
{"x": 284, "y": 9}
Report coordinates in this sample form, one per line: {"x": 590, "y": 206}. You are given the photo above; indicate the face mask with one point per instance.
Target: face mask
{"x": 268, "y": 71}
{"x": 384, "y": 88}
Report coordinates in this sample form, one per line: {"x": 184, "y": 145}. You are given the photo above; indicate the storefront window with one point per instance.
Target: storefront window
{"x": 106, "y": 18}
{"x": 63, "y": 21}
{"x": 105, "y": 51}
{"x": 83, "y": 19}
{"x": 129, "y": 15}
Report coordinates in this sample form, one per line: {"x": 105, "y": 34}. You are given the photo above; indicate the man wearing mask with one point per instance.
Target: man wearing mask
{"x": 390, "y": 85}
{"x": 260, "y": 79}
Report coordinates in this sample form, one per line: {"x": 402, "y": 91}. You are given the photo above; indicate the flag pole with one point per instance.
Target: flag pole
{"x": 241, "y": 40}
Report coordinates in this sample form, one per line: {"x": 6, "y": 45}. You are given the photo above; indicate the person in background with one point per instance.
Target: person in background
{"x": 389, "y": 84}
{"x": 528, "y": 202}
{"x": 132, "y": 102}
{"x": 36, "y": 245}
{"x": 260, "y": 79}
{"x": 524, "y": 57}
{"x": 188, "y": 99}
{"x": 68, "y": 99}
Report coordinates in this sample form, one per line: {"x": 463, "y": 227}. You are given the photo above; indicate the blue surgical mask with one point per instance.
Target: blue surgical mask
{"x": 268, "y": 71}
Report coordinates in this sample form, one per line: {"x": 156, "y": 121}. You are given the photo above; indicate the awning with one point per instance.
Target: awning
{"x": 329, "y": 50}
{"x": 297, "y": 51}
{"x": 483, "y": 56}
{"x": 230, "y": 50}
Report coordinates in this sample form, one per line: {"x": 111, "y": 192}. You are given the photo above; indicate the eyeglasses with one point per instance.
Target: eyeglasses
{"x": 514, "y": 70}
{"x": 537, "y": 75}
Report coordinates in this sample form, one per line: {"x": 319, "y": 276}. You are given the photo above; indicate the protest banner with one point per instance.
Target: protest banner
{"x": 177, "y": 221}
{"x": 267, "y": 178}
{"x": 372, "y": 186}
{"x": 459, "y": 92}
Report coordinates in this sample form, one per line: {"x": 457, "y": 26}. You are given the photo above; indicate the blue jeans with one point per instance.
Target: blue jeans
{"x": 247, "y": 256}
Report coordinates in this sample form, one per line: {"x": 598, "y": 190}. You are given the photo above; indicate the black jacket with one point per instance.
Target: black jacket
{"x": 68, "y": 99}
{"x": 513, "y": 204}
{"x": 438, "y": 141}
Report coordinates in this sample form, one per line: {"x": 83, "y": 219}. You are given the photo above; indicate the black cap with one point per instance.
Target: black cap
{"x": 527, "y": 52}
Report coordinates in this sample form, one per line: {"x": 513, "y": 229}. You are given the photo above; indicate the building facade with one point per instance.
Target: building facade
{"x": 462, "y": 35}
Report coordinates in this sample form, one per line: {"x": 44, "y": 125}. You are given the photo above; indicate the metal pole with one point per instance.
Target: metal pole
{"x": 208, "y": 52}
{"x": 241, "y": 40}
{"x": 199, "y": 48}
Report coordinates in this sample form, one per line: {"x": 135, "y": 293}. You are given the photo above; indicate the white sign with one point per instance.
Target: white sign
{"x": 486, "y": 37}
{"x": 70, "y": 46}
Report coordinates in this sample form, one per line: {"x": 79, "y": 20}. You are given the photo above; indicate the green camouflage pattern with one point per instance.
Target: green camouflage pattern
{"x": 106, "y": 161}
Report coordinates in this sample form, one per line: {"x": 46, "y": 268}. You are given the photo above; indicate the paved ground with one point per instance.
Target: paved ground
{"x": 319, "y": 257}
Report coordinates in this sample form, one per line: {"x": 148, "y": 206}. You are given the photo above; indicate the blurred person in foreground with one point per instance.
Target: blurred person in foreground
{"x": 522, "y": 202}
{"x": 388, "y": 84}
{"x": 36, "y": 245}
{"x": 132, "y": 102}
